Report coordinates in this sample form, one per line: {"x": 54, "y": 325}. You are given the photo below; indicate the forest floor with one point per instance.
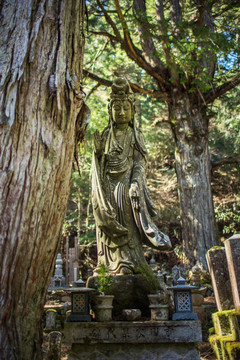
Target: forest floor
{"x": 206, "y": 351}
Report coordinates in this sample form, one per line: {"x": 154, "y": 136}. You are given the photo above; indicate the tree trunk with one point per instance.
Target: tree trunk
{"x": 41, "y": 49}
{"x": 79, "y": 213}
{"x": 190, "y": 129}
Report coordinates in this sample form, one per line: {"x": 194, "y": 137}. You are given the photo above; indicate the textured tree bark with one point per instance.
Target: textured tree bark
{"x": 190, "y": 129}
{"x": 41, "y": 49}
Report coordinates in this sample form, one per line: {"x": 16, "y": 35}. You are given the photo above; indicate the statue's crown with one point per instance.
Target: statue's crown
{"x": 121, "y": 90}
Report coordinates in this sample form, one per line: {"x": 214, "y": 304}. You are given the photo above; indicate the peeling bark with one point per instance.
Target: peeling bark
{"x": 41, "y": 49}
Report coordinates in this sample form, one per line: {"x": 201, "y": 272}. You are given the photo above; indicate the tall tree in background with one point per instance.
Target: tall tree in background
{"x": 189, "y": 50}
{"x": 41, "y": 108}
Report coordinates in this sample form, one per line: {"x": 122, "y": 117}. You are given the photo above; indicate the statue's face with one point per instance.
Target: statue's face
{"x": 122, "y": 112}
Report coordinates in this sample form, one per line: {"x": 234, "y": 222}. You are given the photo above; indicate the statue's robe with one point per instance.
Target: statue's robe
{"x": 121, "y": 229}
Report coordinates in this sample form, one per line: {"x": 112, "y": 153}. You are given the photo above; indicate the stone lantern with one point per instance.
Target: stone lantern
{"x": 80, "y": 302}
{"x": 183, "y": 301}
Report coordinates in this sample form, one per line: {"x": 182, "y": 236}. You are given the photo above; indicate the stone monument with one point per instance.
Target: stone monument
{"x": 224, "y": 265}
{"x": 58, "y": 280}
{"x": 218, "y": 268}
{"x": 232, "y": 246}
{"x": 122, "y": 205}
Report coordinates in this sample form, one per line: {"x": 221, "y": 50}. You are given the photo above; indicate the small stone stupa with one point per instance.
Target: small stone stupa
{"x": 58, "y": 280}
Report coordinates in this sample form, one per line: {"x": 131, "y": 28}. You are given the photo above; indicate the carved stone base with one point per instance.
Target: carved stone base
{"x": 130, "y": 292}
{"x": 163, "y": 340}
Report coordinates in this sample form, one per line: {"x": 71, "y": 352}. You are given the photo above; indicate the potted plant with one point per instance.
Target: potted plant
{"x": 103, "y": 303}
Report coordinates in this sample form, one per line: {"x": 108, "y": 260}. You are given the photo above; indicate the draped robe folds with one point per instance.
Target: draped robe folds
{"x": 120, "y": 227}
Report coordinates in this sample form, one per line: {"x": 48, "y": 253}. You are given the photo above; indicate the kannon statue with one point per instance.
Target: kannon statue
{"x": 122, "y": 206}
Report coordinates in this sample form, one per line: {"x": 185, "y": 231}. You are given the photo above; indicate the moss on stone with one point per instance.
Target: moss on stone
{"x": 233, "y": 350}
{"x": 216, "y": 345}
{"x": 211, "y": 331}
{"x": 53, "y": 310}
{"x": 214, "y": 248}
{"x": 148, "y": 274}
{"x": 224, "y": 343}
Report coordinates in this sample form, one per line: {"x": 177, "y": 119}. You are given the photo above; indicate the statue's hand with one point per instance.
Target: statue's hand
{"x": 97, "y": 141}
{"x": 134, "y": 195}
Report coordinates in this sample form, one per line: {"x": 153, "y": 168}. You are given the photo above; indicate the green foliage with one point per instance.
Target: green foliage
{"x": 145, "y": 270}
{"x": 104, "y": 280}
{"x": 193, "y": 44}
{"x": 225, "y": 128}
{"x": 178, "y": 249}
{"x": 228, "y": 218}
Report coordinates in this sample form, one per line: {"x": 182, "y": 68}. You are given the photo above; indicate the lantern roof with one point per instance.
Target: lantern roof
{"x": 181, "y": 285}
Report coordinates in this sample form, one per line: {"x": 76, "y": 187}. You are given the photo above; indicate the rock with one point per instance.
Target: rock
{"x": 131, "y": 314}
{"x": 197, "y": 299}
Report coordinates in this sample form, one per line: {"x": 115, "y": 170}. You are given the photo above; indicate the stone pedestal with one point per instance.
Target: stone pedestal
{"x": 103, "y": 307}
{"x": 130, "y": 292}
{"x": 116, "y": 340}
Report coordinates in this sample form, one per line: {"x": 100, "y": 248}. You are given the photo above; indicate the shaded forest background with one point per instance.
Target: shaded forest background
{"x": 106, "y": 59}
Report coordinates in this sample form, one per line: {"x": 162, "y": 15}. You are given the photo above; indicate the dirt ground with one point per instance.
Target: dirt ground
{"x": 206, "y": 352}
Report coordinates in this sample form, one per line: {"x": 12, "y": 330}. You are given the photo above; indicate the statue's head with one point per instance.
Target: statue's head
{"x": 121, "y": 105}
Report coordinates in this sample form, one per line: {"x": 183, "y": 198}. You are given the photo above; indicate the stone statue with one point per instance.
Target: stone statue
{"x": 122, "y": 206}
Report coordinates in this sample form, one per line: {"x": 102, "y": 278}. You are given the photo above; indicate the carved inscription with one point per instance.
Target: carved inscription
{"x": 132, "y": 333}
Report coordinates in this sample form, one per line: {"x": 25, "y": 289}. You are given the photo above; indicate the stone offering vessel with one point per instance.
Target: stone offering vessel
{"x": 122, "y": 206}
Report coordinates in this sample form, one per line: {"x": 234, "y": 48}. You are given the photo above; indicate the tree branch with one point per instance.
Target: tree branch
{"x": 126, "y": 34}
{"x": 222, "y": 89}
{"x": 228, "y": 7}
{"x": 106, "y": 34}
{"x": 232, "y": 159}
{"x": 162, "y": 29}
{"x": 101, "y": 81}
{"x": 165, "y": 41}
{"x": 99, "y": 53}
{"x": 145, "y": 36}
{"x": 202, "y": 7}
{"x": 136, "y": 88}
{"x": 110, "y": 22}
{"x": 131, "y": 50}
{"x": 135, "y": 54}
{"x": 92, "y": 91}
{"x": 176, "y": 12}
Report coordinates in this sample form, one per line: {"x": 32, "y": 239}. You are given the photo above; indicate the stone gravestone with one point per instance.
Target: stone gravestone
{"x": 218, "y": 268}
{"x": 51, "y": 319}
{"x": 54, "y": 345}
{"x": 232, "y": 246}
